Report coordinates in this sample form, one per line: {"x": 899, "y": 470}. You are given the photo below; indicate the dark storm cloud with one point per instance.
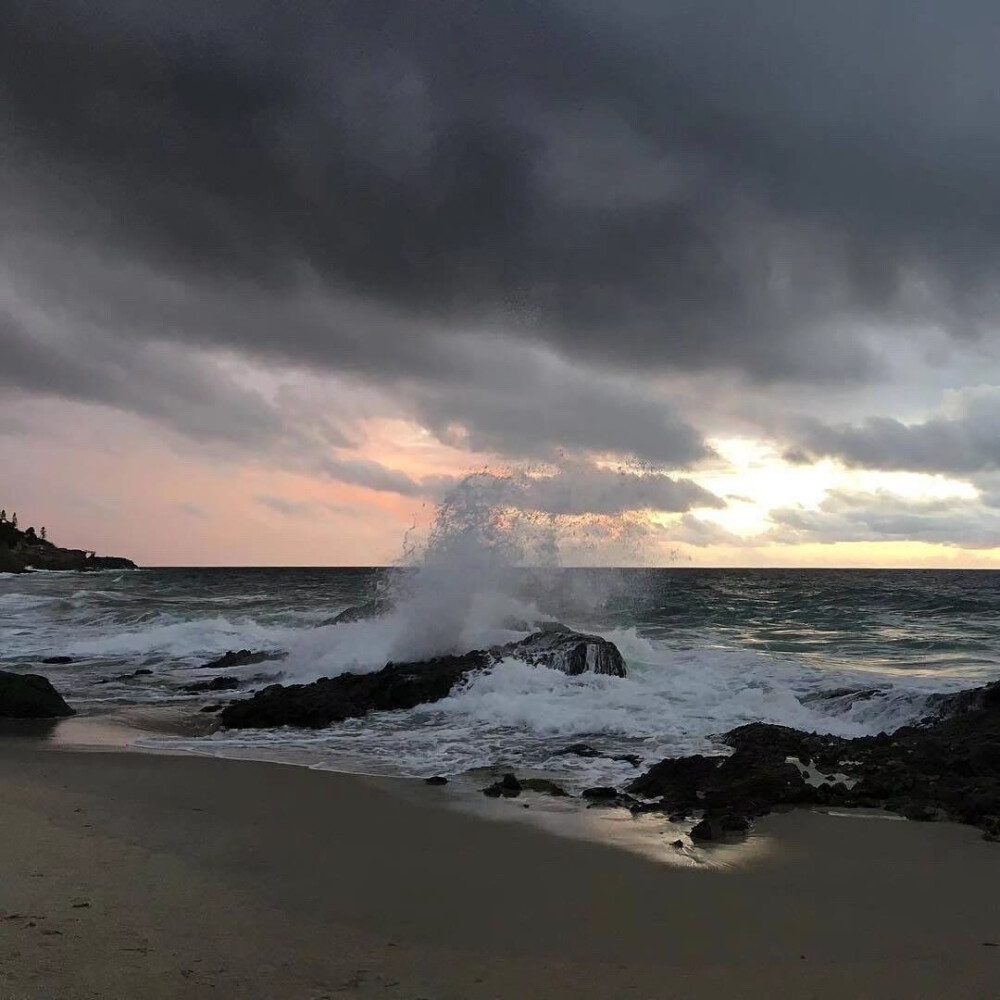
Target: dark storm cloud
{"x": 966, "y": 442}
{"x": 639, "y": 185}
{"x": 874, "y": 517}
{"x": 150, "y": 379}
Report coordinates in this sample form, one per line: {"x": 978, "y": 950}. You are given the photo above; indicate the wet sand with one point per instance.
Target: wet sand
{"x": 127, "y": 875}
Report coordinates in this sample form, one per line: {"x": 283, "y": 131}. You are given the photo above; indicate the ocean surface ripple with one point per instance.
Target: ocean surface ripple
{"x": 706, "y": 650}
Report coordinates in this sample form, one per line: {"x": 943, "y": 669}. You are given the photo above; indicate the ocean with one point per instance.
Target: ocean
{"x": 706, "y": 650}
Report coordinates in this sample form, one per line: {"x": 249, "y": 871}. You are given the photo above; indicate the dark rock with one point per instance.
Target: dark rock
{"x": 510, "y": 786}
{"x": 571, "y": 652}
{"x": 142, "y": 672}
{"x": 586, "y": 750}
{"x": 240, "y": 658}
{"x": 30, "y": 696}
{"x": 720, "y": 826}
{"x": 215, "y": 684}
{"x": 578, "y": 750}
{"x": 333, "y": 699}
{"x": 211, "y": 708}
{"x": 25, "y": 550}
{"x": 436, "y": 780}
{"x": 677, "y": 779}
{"x": 601, "y": 792}
{"x": 677, "y": 843}
{"x": 707, "y": 829}
{"x": 405, "y": 685}
{"x": 52, "y": 660}
{"x": 946, "y": 767}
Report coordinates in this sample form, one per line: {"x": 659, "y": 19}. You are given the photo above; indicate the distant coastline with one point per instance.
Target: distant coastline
{"x": 27, "y": 550}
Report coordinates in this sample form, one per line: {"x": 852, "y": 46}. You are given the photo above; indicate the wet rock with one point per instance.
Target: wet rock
{"x": 215, "y": 684}
{"x": 946, "y": 767}
{"x": 405, "y": 685}
{"x": 332, "y": 699}
{"x": 436, "y": 780}
{"x": 586, "y": 750}
{"x": 601, "y": 792}
{"x": 720, "y": 826}
{"x": 142, "y": 672}
{"x": 677, "y": 780}
{"x": 508, "y": 786}
{"x": 217, "y": 707}
{"x": 30, "y": 696}
{"x": 241, "y": 658}
{"x": 578, "y": 750}
{"x": 53, "y": 660}
{"x": 571, "y": 652}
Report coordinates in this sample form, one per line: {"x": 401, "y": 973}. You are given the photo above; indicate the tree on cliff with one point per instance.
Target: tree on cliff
{"x": 44, "y": 533}
{"x": 3, "y": 516}
{"x": 30, "y": 532}
{"x": 13, "y": 520}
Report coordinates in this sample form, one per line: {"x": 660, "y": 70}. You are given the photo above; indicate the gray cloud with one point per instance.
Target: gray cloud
{"x": 879, "y": 517}
{"x": 192, "y": 510}
{"x": 577, "y": 489}
{"x": 287, "y": 508}
{"x": 375, "y": 476}
{"x": 966, "y": 442}
{"x": 642, "y": 186}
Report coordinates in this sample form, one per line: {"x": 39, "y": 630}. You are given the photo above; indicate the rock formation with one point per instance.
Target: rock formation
{"x": 404, "y": 685}
{"x": 21, "y": 551}
{"x": 30, "y": 696}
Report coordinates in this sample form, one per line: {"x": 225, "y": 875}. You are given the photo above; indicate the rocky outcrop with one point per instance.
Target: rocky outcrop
{"x": 332, "y": 699}
{"x": 404, "y": 685}
{"x": 21, "y": 551}
{"x": 560, "y": 648}
{"x": 240, "y": 658}
{"x": 215, "y": 684}
{"x": 510, "y": 787}
{"x": 30, "y": 696}
{"x": 943, "y": 768}
{"x": 131, "y": 675}
{"x": 587, "y": 751}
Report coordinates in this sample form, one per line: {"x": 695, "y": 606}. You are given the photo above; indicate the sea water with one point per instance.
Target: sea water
{"x": 706, "y": 650}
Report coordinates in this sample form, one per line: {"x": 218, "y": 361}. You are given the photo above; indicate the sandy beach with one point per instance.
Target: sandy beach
{"x": 131, "y": 875}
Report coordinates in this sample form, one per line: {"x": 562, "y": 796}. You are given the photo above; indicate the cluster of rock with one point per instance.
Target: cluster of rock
{"x": 945, "y": 768}
{"x": 400, "y": 686}
{"x": 21, "y": 551}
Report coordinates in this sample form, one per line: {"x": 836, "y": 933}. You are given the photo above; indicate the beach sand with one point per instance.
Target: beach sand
{"x": 135, "y": 876}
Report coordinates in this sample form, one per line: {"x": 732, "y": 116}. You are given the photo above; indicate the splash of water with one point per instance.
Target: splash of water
{"x": 461, "y": 588}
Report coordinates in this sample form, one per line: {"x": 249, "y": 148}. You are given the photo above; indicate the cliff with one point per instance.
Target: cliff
{"x": 22, "y": 551}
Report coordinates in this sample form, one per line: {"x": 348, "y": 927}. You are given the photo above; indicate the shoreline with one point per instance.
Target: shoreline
{"x": 176, "y": 875}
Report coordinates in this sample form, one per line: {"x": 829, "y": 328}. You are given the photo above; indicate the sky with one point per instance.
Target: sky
{"x": 703, "y": 282}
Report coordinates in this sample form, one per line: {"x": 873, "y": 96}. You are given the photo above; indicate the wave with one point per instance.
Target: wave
{"x": 674, "y": 701}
